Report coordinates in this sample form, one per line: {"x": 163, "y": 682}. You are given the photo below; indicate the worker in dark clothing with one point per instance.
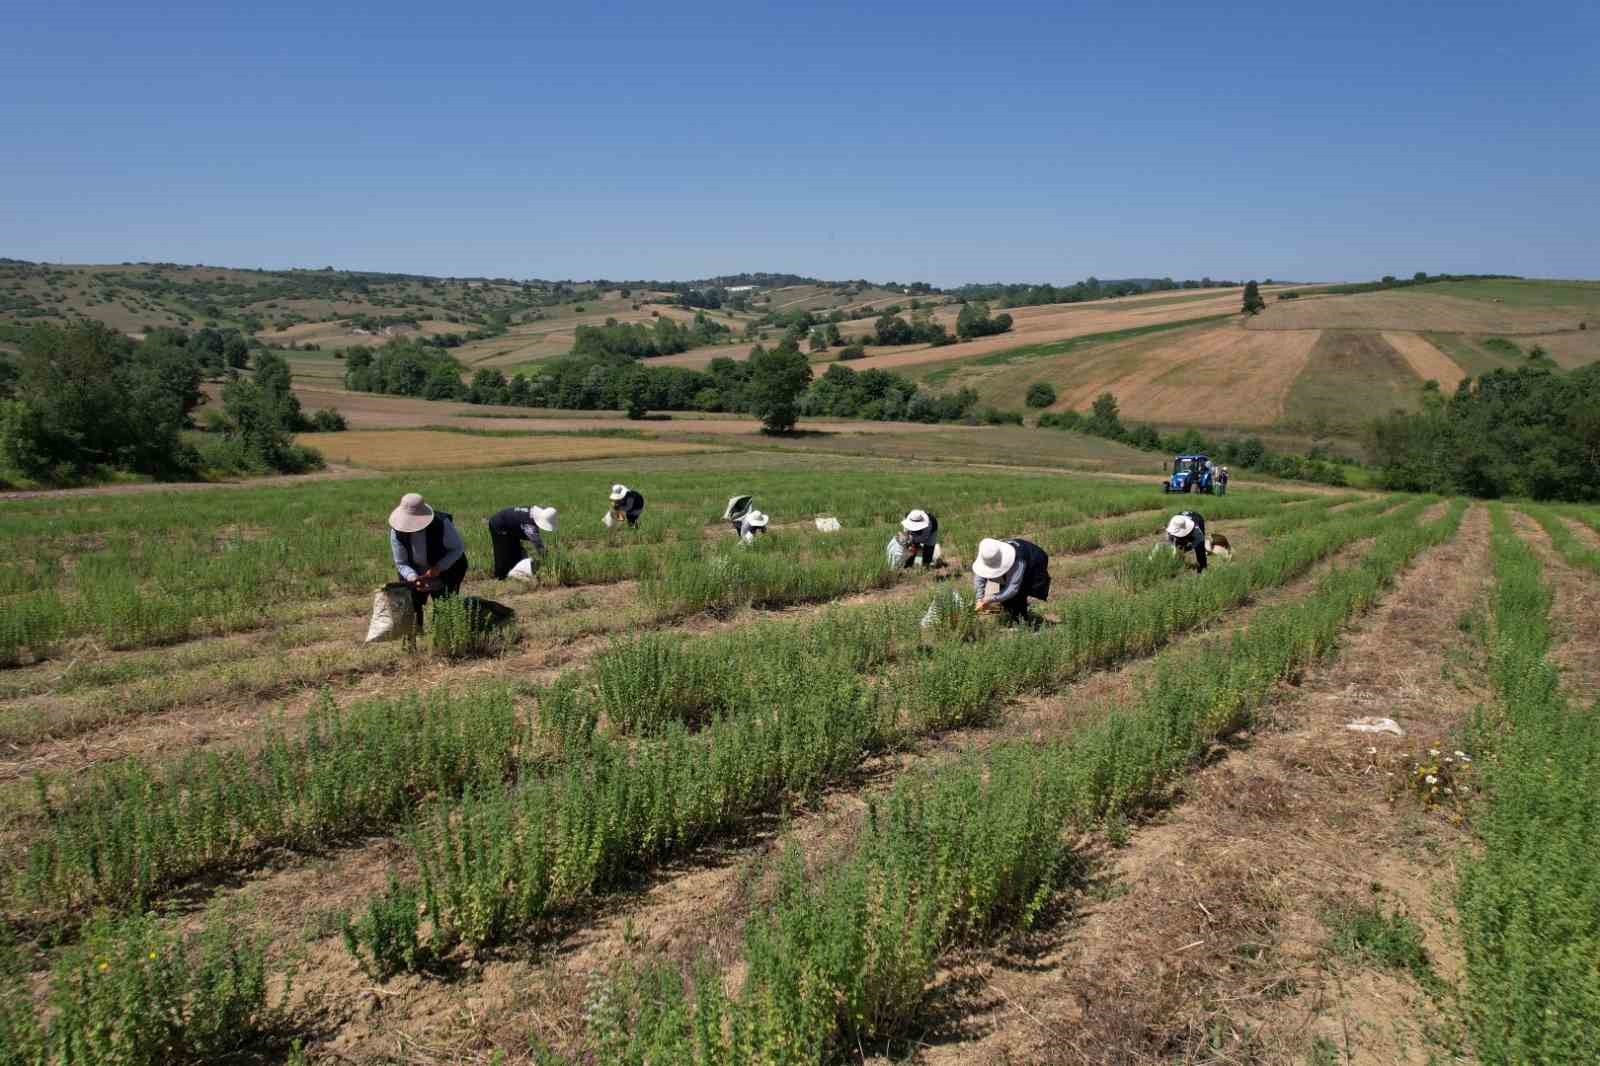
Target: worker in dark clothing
{"x": 1021, "y": 568}
{"x": 1187, "y": 532}
{"x": 1222, "y": 482}
{"x": 919, "y": 534}
{"x": 626, "y": 503}
{"x": 427, "y": 549}
{"x": 510, "y": 528}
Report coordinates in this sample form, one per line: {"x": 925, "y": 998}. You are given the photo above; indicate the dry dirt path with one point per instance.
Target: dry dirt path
{"x": 1205, "y": 939}
{"x": 1573, "y": 613}
{"x": 692, "y": 907}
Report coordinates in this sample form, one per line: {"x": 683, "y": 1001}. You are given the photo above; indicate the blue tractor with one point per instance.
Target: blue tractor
{"x": 1191, "y": 473}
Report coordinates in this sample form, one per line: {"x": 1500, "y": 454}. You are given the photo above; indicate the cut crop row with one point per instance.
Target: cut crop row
{"x": 848, "y": 956}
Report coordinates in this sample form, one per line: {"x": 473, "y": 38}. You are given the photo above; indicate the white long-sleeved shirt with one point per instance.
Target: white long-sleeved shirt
{"x": 453, "y": 550}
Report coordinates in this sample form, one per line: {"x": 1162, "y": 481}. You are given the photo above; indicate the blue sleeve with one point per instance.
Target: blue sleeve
{"x": 1013, "y": 584}
{"x": 977, "y": 586}
{"x": 530, "y": 533}
{"x": 402, "y": 565}
{"x": 453, "y": 548}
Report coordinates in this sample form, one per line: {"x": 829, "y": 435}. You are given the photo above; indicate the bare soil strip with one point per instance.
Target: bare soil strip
{"x": 1207, "y": 938}
{"x": 1429, "y": 362}
{"x": 1573, "y": 614}
{"x": 696, "y": 907}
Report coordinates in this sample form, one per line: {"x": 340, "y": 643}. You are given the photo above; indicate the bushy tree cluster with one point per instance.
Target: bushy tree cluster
{"x": 1088, "y": 289}
{"x": 881, "y": 396}
{"x": 892, "y": 329}
{"x": 1105, "y": 420}
{"x": 635, "y": 340}
{"x": 404, "y": 367}
{"x": 1533, "y": 431}
{"x": 975, "y": 321}
{"x": 84, "y": 401}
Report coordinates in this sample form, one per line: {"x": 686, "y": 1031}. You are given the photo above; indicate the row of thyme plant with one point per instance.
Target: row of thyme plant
{"x": 1529, "y": 898}
{"x": 845, "y": 957}
{"x": 497, "y": 863}
{"x": 128, "y": 831}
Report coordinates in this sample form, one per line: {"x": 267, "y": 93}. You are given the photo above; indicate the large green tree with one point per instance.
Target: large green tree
{"x": 777, "y": 379}
{"x": 1253, "y": 303}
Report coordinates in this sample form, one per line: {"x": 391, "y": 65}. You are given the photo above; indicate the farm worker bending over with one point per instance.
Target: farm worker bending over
{"x": 1021, "y": 568}
{"x": 626, "y": 503}
{"x": 751, "y": 524}
{"x": 427, "y": 550}
{"x": 919, "y": 533}
{"x": 1187, "y": 532}
{"x": 510, "y": 527}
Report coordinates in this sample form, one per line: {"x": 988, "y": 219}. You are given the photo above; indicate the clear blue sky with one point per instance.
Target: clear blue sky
{"x": 890, "y": 141}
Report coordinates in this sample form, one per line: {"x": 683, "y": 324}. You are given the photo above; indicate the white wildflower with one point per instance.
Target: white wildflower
{"x": 1431, "y": 779}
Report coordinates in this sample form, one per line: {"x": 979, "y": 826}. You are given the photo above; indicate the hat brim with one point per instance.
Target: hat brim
{"x": 913, "y": 527}
{"x": 402, "y": 521}
{"x": 1008, "y": 559}
{"x": 1179, "y": 529}
{"x": 546, "y": 524}
{"x": 618, "y": 496}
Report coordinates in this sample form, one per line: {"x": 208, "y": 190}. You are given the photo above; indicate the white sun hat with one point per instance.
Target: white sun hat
{"x": 412, "y": 516}
{"x": 756, "y": 520}
{"x": 995, "y": 557}
{"x": 543, "y": 517}
{"x": 618, "y": 491}
{"x": 915, "y": 522}
{"x": 1180, "y": 526}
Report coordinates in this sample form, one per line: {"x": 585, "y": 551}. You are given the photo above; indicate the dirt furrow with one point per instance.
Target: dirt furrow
{"x": 1572, "y": 614}
{"x": 1208, "y": 937}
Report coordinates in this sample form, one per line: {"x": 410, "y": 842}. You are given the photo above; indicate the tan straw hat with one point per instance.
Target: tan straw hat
{"x": 412, "y": 516}
{"x": 915, "y": 522}
{"x": 1180, "y": 526}
{"x": 995, "y": 557}
{"x": 543, "y": 517}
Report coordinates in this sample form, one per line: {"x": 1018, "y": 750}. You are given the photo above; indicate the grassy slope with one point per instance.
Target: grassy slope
{"x": 1351, "y": 375}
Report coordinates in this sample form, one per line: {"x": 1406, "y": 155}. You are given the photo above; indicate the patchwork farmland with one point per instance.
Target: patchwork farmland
{"x": 714, "y": 803}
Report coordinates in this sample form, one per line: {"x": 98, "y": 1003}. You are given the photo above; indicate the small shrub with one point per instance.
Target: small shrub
{"x": 1365, "y": 933}
{"x": 1143, "y": 567}
{"x": 852, "y": 352}
{"x": 462, "y": 628}
{"x": 385, "y": 939}
{"x": 328, "y": 420}
{"x": 1041, "y": 394}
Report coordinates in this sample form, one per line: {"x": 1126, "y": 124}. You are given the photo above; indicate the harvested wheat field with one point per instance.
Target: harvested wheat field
{"x": 1209, "y": 375}
{"x": 1413, "y": 309}
{"x": 422, "y": 449}
{"x": 1429, "y": 363}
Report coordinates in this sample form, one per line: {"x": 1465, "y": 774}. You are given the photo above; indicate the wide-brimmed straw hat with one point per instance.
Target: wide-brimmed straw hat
{"x": 543, "y": 517}
{"x": 618, "y": 491}
{"x": 995, "y": 557}
{"x": 1180, "y": 526}
{"x": 412, "y": 516}
{"x": 756, "y": 520}
{"x": 915, "y": 522}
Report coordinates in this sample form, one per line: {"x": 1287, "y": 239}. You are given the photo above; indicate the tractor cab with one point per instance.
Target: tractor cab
{"x": 1190, "y": 473}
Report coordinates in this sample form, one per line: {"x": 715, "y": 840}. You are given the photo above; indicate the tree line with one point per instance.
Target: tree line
{"x": 1028, "y": 295}
{"x": 1530, "y": 431}
{"x": 83, "y": 402}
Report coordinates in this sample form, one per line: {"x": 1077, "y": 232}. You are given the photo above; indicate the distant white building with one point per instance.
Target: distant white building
{"x": 741, "y": 288}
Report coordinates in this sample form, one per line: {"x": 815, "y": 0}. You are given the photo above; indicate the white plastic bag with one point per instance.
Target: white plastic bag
{"x": 939, "y": 606}
{"x": 392, "y": 615}
{"x": 896, "y": 552}
{"x": 610, "y": 519}
{"x": 826, "y": 523}
{"x": 523, "y": 571}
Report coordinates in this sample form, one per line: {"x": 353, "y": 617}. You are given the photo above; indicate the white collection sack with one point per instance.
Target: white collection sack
{"x": 610, "y": 519}
{"x": 826, "y": 523}
{"x": 523, "y": 571}
{"x": 392, "y": 616}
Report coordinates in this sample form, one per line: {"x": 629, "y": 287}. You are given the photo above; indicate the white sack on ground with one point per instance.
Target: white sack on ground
{"x": 523, "y": 571}
{"x": 827, "y": 523}
{"x": 392, "y": 616}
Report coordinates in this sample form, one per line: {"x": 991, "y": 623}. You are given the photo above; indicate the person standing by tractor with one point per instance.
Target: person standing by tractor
{"x": 1186, "y": 532}
{"x": 511, "y": 527}
{"x": 427, "y": 550}
{"x": 1222, "y": 482}
{"x": 1021, "y": 568}
{"x": 626, "y": 504}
